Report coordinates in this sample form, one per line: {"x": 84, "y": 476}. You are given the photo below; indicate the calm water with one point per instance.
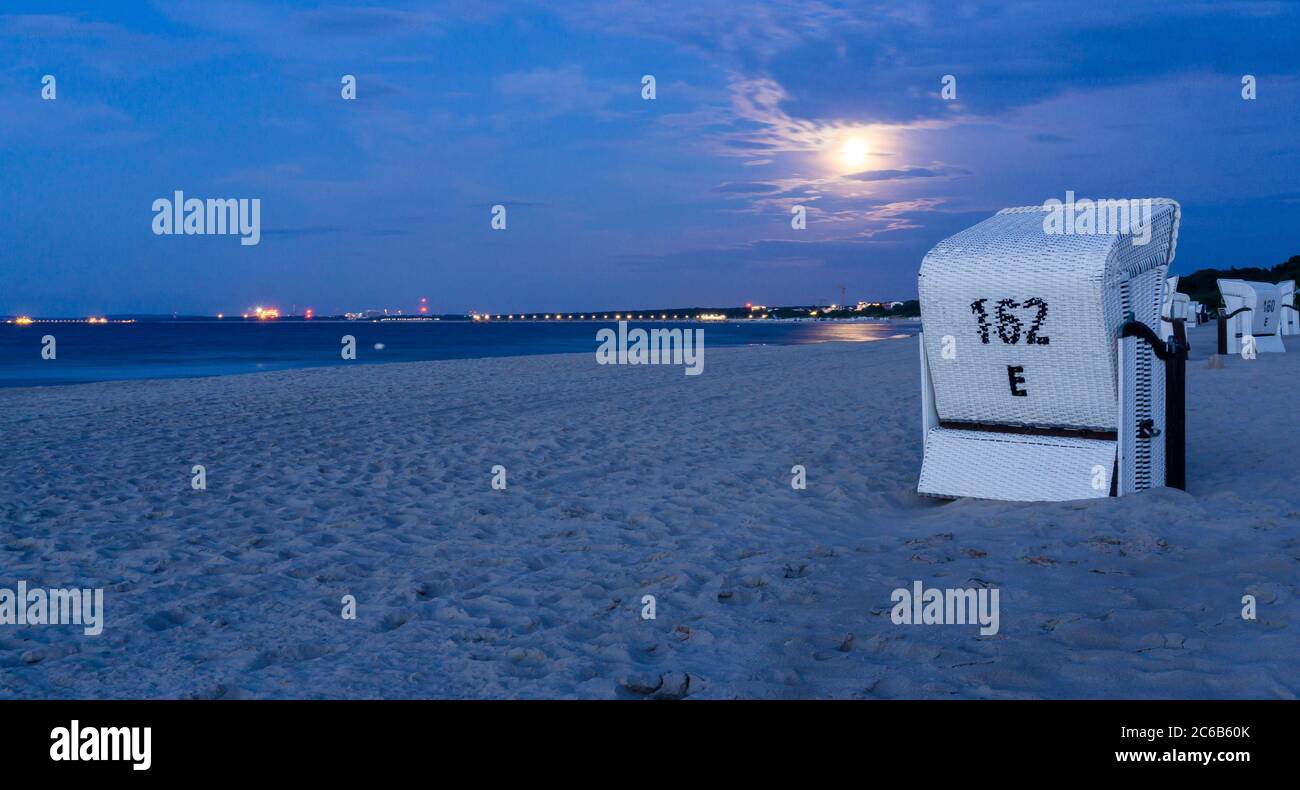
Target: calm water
{"x": 106, "y": 352}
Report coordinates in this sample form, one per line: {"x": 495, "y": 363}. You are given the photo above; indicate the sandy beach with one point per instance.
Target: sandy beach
{"x": 375, "y": 481}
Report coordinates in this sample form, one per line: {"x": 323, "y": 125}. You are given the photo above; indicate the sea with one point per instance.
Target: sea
{"x": 183, "y": 349}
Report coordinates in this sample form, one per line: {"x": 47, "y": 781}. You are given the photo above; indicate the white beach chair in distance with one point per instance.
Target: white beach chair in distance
{"x": 1290, "y": 311}
{"x": 1254, "y": 309}
{"x": 1035, "y": 384}
{"x": 1175, "y": 303}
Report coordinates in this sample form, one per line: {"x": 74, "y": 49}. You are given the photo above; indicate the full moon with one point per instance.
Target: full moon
{"x": 853, "y": 153}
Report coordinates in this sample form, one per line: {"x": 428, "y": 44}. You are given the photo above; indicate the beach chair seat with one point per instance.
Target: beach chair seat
{"x": 1031, "y": 389}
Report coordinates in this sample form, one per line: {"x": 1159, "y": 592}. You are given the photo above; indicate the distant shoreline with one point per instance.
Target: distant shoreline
{"x": 25, "y": 321}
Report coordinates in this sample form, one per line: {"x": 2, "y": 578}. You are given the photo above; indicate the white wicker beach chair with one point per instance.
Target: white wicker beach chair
{"x": 1034, "y": 386}
{"x": 1175, "y": 304}
{"x": 1290, "y": 313}
{"x": 1252, "y": 308}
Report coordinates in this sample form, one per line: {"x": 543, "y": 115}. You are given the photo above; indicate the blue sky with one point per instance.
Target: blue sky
{"x": 614, "y": 201}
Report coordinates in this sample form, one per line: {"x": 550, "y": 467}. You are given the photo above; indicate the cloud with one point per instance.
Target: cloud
{"x": 878, "y": 61}
{"x": 107, "y": 48}
{"x": 56, "y": 26}
{"x": 63, "y": 123}
{"x": 746, "y": 188}
{"x": 757, "y": 103}
{"x": 941, "y": 171}
{"x": 732, "y": 31}
{"x": 308, "y": 230}
{"x": 551, "y": 92}
{"x": 322, "y": 33}
{"x": 364, "y": 22}
{"x": 1013, "y": 55}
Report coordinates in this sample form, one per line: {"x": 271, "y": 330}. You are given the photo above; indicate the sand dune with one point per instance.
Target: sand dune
{"x": 374, "y": 481}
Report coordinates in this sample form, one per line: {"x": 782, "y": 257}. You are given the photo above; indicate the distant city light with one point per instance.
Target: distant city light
{"x": 26, "y": 320}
